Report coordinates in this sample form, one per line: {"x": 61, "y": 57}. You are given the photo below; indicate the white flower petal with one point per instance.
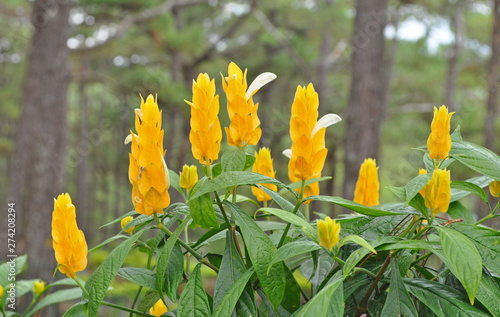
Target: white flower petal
{"x": 139, "y": 112}
{"x": 165, "y": 170}
{"x": 128, "y": 139}
{"x": 288, "y": 153}
{"x": 258, "y": 82}
{"x": 325, "y": 121}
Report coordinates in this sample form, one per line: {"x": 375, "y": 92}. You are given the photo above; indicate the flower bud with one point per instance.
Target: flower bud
{"x": 263, "y": 165}
{"x": 188, "y": 177}
{"x": 439, "y": 141}
{"x": 438, "y": 192}
{"x": 158, "y": 309}
{"x": 39, "y": 287}
{"x": 367, "y": 186}
{"x": 125, "y": 221}
{"x": 495, "y": 188}
{"x": 329, "y": 232}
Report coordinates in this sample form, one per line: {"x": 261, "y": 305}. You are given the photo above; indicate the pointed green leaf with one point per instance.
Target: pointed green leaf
{"x": 139, "y": 276}
{"x": 293, "y": 249}
{"x": 202, "y": 211}
{"x": 488, "y": 294}
{"x": 368, "y": 211}
{"x": 415, "y": 186}
{"x": 233, "y": 160}
{"x": 227, "y": 303}
{"x": 291, "y": 300}
{"x": 458, "y": 211}
{"x": 194, "y": 300}
{"x": 318, "y": 305}
{"x": 477, "y": 158}
{"x": 358, "y": 240}
{"x": 398, "y": 302}
{"x": 113, "y": 238}
{"x": 57, "y": 297}
{"x": 173, "y": 274}
{"x": 294, "y": 219}
{"x": 471, "y": 188}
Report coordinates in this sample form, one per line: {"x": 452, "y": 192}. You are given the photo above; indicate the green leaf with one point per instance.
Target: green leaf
{"x": 458, "y": 211}
{"x": 293, "y": 219}
{"x": 411, "y": 245}
{"x": 481, "y": 181}
{"x": 230, "y": 179}
{"x": 113, "y": 238}
{"x": 261, "y": 250}
{"x": 173, "y": 274}
{"x": 130, "y": 213}
{"x": 77, "y": 310}
{"x": 291, "y": 300}
{"x": 57, "y": 297}
{"x": 358, "y": 240}
{"x": 194, "y": 300}
{"x": 139, "y": 276}
{"x": 202, "y": 211}
{"x": 163, "y": 255}
{"x": 400, "y": 192}
{"x": 231, "y": 269}
{"x": 293, "y": 249}
{"x": 487, "y": 242}
{"x": 99, "y": 281}
{"x": 477, "y": 158}
{"x": 415, "y": 186}
{"x": 266, "y": 309}
{"x": 319, "y": 304}
{"x": 398, "y": 302}
{"x": 227, "y": 303}
{"x": 249, "y": 160}
{"x": 233, "y": 160}
{"x": 471, "y": 188}
{"x": 443, "y": 300}
{"x": 368, "y": 211}
{"x": 464, "y": 259}
{"x": 360, "y": 253}
{"x": 418, "y": 202}
{"x": 429, "y": 164}
{"x": 488, "y": 294}
{"x": 149, "y": 299}
{"x": 309, "y": 182}
{"x": 175, "y": 181}
{"x": 17, "y": 262}
{"x": 316, "y": 270}
{"x": 282, "y": 202}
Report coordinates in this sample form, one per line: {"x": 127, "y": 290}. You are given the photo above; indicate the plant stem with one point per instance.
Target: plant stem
{"x": 489, "y": 216}
{"x": 307, "y": 213}
{"x": 360, "y": 269}
{"x": 188, "y": 256}
{"x": 219, "y": 203}
{"x": 297, "y": 205}
{"x": 126, "y": 309}
{"x": 185, "y": 245}
{"x": 81, "y": 286}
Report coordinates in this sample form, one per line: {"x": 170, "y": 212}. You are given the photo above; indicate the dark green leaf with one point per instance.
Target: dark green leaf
{"x": 458, "y": 211}
{"x": 398, "y": 302}
{"x": 194, "y": 300}
{"x": 250, "y": 159}
{"x": 202, "y": 211}
{"x": 57, "y": 297}
{"x": 233, "y": 160}
{"x": 174, "y": 181}
{"x": 227, "y": 303}
{"x": 368, "y": 211}
{"x": 477, "y": 158}
{"x": 471, "y": 188}
{"x": 149, "y": 299}
{"x": 173, "y": 275}
{"x": 293, "y": 249}
{"x": 139, "y": 276}
{"x": 293, "y": 219}
{"x": 291, "y": 300}
{"x": 77, "y": 310}
{"x": 488, "y": 294}
{"x": 113, "y": 238}
{"x": 415, "y": 186}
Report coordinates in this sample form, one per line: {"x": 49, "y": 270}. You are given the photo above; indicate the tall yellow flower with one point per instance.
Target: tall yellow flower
{"x": 148, "y": 172}
{"x": 245, "y": 124}
{"x": 494, "y": 188}
{"x": 308, "y": 152}
{"x": 206, "y": 133}
{"x": 439, "y": 141}
{"x": 68, "y": 241}
{"x": 263, "y": 165}
{"x": 367, "y": 186}
{"x": 422, "y": 171}
{"x": 437, "y": 191}
{"x": 188, "y": 177}
{"x": 158, "y": 309}
{"x": 329, "y": 232}
{"x": 125, "y": 221}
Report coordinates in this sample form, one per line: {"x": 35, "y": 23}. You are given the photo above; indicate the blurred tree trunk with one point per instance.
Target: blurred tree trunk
{"x": 37, "y": 167}
{"x": 81, "y": 181}
{"x": 491, "y": 106}
{"x": 367, "y": 101}
{"x": 454, "y": 54}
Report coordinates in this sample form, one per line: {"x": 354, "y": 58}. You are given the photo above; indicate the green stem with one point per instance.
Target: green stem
{"x": 81, "y": 286}
{"x": 31, "y": 305}
{"x": 297, "y": 205}
{"x": 307, "y": 213}
{"x": 409, "y": 228}
{"x": 489, "y": 216}
{"x": 423, "y": 257}
{"x": 496, "y": 208}
{"x": 226, "y": 219}
{"x": 187, "y": 247}
{"x": 360, "y": 269}
{"x": 188, "y": 256}
{"x": 126, "y": 309}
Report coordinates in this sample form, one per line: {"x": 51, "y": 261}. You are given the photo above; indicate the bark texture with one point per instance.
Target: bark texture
{"x": 366, "y": 108}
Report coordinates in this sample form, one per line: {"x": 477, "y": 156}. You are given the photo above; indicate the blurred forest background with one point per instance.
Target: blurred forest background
{"x": 71, "y": 73}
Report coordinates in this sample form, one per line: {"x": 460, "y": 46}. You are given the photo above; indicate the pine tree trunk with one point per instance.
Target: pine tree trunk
{"x": 37, "y": 167}
{"x": 366, "y": 108}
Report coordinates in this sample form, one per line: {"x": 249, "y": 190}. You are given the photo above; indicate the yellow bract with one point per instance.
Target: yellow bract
{"x": 188, "y": 177}
{"x": 329, "y": 232}
{"x": 125, "y": 221}
{"x": 68, "y": 241}
{"x": 367, "y": 186}
{"x": 148, "y": 172}
{"x": 1, "y": 291}
{"x": 206, "y": 133}
{"x": 158, "y": 309}
{"x": 437, "y": 191}
{"x": 245, "y": 125}
{"x": 38, "y": 287}
{"x": 494, "y": 188}
{"x": 263, "y": 165}
{"x": 439, "y": 141}
{"x": 422, "y": 172}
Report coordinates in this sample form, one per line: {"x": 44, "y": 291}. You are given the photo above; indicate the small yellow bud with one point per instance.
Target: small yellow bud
{"x": 125, "y": 221}
{"x": 39, "y": 287}
{"x": 188, "y": 177}
{"x": 329, "y": 233}
{"x": 1, "y": 291}
{"x": 158, "y": 309}
{"x": 367, "y": 186}
{"x": 439, "y": 141}
{"x": 263, "y": 165}
{"x": 422, "y": 172}
{"x": 438, "y": 192}
{"x": 495, "y": 188}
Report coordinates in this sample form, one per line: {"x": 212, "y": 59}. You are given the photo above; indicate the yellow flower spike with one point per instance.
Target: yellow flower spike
{"x": 437, "y": 191}
{"x": 38, "y": 287}
{"x": 329, "y": 232}
{"x": 158, "y": 309}
{"x": 148, "y": 172}
{"x": 188, "y": 177}
{"x": 68, "y": 241}
{"x": 206, "y": 132}
{"x": 245, "y": 124}
{"x": 494, "y": 188}
{"x": 125, "y": 221}
{"x": 367, "y": 186}
{"x": 439, "y": 141}
{"x": 263, "y": 165}
{"x": 308, "y": 153}
{"x": 422, "y": 171}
